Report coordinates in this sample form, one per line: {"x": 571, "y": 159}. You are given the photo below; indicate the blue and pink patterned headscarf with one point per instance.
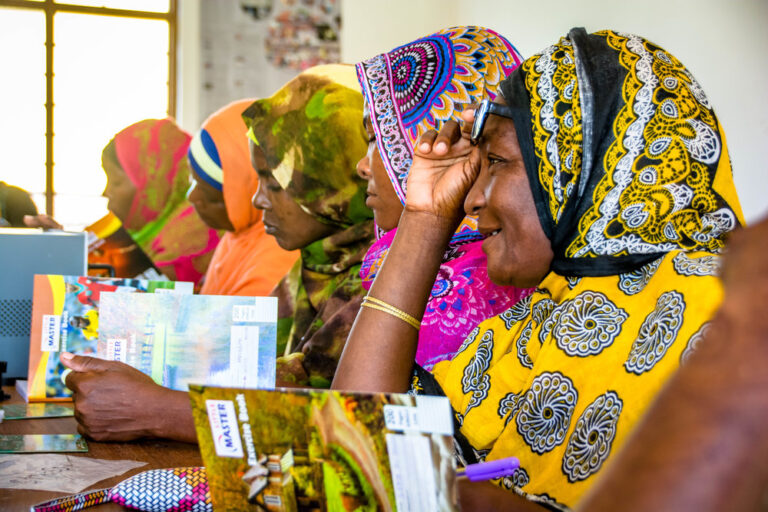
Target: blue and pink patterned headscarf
{"x": 408, "y": 91}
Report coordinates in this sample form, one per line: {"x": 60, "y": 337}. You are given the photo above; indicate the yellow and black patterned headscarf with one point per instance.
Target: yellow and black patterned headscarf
{"x": 625, "y": 155}
{"x": 630, "y": 174}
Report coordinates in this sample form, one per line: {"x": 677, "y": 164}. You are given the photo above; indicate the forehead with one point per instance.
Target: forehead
{"x": 203, "y": 186}
{"x": 498, "y": 129}
{"x": 258, "y": 159}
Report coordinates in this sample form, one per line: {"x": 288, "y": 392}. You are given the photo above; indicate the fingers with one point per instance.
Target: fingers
{"x": 41, "y": 221}
{"x": 468, "y": 118}
{"x": 440, "y": 143}
{"x": 426, "y": 141}
{"x": 449, "y": 134}
{"x": 84, "y": 363}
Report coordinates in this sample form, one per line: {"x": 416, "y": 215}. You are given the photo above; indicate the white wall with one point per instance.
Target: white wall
{"x": 723, "y": 43}
{"x": 189, "y": 73}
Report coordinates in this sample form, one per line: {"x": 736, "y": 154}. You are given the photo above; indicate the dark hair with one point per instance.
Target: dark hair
{"x": 15, "y": 203}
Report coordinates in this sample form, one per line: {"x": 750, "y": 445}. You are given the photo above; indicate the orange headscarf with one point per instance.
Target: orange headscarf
{"x": 247, "y": 260}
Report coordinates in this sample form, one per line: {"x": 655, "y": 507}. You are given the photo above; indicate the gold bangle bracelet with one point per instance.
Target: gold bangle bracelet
{"x": 380, "y": 305}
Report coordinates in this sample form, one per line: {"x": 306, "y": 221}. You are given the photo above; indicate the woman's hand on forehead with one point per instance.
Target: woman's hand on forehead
{"x": 444, "y": 168}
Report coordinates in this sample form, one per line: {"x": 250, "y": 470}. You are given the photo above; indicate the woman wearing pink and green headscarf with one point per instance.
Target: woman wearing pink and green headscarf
{"x": 147, "y": 181}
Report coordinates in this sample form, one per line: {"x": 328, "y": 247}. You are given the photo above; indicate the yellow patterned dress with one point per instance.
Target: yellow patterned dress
{"x": 630, "y": 172}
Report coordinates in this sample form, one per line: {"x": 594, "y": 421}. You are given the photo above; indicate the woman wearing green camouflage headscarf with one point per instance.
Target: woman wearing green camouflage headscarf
{"x": 305, "y": 143}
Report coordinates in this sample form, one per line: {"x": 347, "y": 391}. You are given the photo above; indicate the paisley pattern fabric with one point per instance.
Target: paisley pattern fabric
{"x": 627, "y": 157}
{"x": 573, "y": 367}
{"x": 319, "y": 298}
{"x": 421, "y": 85}
{"x": 591, "y": 439}
{"x": 408, "y": 91}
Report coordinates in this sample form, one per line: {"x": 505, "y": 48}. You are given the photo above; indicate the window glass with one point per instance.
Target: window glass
{"x": 134, "y": 5}
{"x": 22, "y": 101}
{"x": 109, "y": 73}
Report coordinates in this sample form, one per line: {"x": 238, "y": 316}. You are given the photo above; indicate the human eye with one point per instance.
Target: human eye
{"x": 494, "y": 160}
{"x": 273, "y": 185}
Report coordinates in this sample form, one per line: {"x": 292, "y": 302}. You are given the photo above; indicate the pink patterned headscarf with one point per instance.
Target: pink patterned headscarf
{"x": 152, "y": 153}
{"x": 414, "y": 88}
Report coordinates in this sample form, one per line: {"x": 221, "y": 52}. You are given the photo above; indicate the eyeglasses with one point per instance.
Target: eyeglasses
{"x": 486, "y": 108}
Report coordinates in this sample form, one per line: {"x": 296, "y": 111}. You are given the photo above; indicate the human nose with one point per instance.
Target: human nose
{"x": 364, "y": 166}
{"x": 193, "y": 193}
{"x": 259, "y": 199}
{"x": 475, "y": 200}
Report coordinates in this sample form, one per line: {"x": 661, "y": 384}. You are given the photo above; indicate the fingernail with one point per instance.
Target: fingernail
{"x": 441, "y": 146}
{"x": 66, "y": 355}
{"x": 424, "y": 147}
{"x": 64, "y": 374}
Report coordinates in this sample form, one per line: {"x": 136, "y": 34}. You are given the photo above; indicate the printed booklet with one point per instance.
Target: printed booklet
{"x": 65, "y": 317}
{"x": 177, "y": 339}
{"x": 110, "y": 244}
{"x": 307, "y": 450}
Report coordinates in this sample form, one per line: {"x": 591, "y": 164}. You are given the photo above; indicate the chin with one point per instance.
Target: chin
{"x": 500, "y": 279}
{"x": 285, "y": 245}
{"x": 499, "y": 276}
{"x": 506, "y": 276}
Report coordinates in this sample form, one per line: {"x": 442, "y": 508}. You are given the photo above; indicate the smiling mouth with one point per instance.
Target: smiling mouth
{"x": 489, "y": 233}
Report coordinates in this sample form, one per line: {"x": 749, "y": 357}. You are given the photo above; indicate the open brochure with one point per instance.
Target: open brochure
{"x": 177, "y": 339}
{"x": 302, "y": 450}
{"x": 65, "y": 317}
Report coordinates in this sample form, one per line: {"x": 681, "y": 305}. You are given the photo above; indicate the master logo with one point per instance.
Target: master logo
{"x": 224, "y": 430}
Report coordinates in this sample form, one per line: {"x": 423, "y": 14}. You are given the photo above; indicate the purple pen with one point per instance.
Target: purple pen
{"x": 489, "y": 470}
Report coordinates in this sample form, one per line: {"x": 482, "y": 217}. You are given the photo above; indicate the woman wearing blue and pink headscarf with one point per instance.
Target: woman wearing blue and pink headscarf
{"x": 414, "y": 88}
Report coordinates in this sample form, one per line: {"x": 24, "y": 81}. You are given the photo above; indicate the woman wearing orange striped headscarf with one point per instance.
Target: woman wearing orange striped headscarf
{"x": 247, "y": 261}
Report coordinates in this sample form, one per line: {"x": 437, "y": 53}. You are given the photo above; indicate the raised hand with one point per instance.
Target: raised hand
{"x": 445, "y": 165}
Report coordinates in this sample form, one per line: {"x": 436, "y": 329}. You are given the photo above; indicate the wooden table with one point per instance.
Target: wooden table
{"x": 157, "y": 454}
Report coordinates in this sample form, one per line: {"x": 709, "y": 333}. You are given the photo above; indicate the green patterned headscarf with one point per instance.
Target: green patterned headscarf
{"x": 312, "y": 138}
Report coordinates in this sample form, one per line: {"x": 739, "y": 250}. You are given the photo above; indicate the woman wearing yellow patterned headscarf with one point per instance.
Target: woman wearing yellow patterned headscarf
{"x": 630, "y": 179}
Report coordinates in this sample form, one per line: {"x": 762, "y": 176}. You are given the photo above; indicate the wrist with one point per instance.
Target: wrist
{"x": 173, "y": 414}
{"x": 434, "y": 227}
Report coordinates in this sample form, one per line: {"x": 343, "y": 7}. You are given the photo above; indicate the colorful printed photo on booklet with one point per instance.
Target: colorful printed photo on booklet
{"x": 302, "y": 450}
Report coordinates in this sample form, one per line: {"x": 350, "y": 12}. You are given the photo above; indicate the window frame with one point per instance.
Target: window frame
{"x": 50, "y": 8}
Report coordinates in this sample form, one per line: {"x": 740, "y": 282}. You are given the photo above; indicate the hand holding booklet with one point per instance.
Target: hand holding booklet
{"x": 177, "y": 339}
{"x": 65, "y": 318}
{"x": 293, "y": 450}
{"x": 174, "y": 337}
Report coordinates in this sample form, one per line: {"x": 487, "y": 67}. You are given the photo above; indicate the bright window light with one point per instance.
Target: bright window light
{"x": 109, "y": 73}
{"x": 135, "y": 5}
{"x": 22, "y": 101}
